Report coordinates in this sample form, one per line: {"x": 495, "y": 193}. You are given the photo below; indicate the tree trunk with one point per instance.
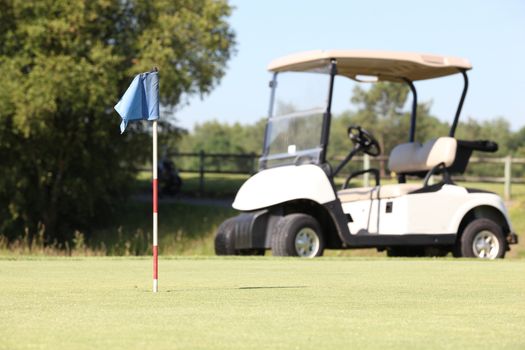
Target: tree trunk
{"x": 51, "y": 216}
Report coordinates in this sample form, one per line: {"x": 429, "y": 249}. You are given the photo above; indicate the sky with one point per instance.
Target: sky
{"x": 490, "y": 34}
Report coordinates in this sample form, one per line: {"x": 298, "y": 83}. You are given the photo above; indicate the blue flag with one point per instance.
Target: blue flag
{"x": 141, "y": 100}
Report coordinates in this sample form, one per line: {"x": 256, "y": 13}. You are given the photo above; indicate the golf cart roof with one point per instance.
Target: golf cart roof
{"x": 385, "y": 65}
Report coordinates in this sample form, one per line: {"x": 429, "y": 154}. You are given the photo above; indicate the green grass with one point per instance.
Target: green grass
{"x": 266, "y": 303}
{"x": 183, "y": 229}
{"x": 215, "y": 185}
{"x": 517, "y": 217}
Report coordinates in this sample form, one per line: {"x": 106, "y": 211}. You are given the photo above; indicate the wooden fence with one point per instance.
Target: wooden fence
{"x": 506, "y": 162}
{"x": 239, "y": 163}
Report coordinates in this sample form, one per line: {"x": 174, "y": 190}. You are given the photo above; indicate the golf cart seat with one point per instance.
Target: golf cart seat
{"x": 442, "y": 155}
{"x": 414, "y": 158}
{"x": 410, "y": 158}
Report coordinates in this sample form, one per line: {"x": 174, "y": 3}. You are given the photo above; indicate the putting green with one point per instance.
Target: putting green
{"x": 264, "y": 303}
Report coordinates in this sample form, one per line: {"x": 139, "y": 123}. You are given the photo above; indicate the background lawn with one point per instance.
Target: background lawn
{"x": 264, "y": 303}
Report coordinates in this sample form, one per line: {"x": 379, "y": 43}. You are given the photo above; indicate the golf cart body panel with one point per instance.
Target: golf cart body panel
{"x": 282, "y": 184}
{"x": 439, "y": 212}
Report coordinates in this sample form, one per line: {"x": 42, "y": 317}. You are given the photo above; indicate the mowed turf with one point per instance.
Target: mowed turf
{"x": 264, "y": 303}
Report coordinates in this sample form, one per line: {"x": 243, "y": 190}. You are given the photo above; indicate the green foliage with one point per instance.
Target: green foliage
{"x": 497, "y": 129}
{"x": 64, "y": 65}
{"x": 382, "y": 110}
{"x": 216, "y": 137}
{"x": 517, "y": 142}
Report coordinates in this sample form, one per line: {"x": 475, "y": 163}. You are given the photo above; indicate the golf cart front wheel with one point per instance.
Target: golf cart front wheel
{"x": 484, "y": 239}
{"x": 298, "y": 235}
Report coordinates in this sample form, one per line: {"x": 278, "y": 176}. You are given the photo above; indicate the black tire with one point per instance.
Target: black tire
{"x": 285, "y": 235}
{"x": 225, "y": 238}
{"x": 478, "y": 236}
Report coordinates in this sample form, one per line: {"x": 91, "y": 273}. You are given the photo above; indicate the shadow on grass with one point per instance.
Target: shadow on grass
{"x": 235, "y": 288}
{"x": 274, "y": 287}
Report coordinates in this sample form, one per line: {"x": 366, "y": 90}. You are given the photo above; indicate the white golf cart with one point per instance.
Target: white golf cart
{"x": 292, "y": 206}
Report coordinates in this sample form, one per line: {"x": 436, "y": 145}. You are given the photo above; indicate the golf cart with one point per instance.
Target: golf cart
{"x": 291, "y": 205}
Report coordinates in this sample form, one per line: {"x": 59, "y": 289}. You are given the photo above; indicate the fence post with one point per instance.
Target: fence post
{"x": 254, "y": 163}
{"x": 201, "y": 172}
{"x": 508, "y": 176}
{"x": 366, "y": 165}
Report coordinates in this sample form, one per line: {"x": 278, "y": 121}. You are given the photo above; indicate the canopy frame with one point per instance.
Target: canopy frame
{"x": 415, "y": 66}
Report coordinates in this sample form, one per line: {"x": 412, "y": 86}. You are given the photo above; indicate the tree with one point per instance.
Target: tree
{"x": 517, "y": 143}
{"x": 65, "y": 63}
{"x": 381, "y": 111}
{"x": 497, "y": 129}
{"x": 216, "y": 137}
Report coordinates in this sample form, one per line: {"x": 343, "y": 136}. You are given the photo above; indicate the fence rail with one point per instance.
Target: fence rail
{"x": 242, "y": 163}
{"x": 252, "y": 157}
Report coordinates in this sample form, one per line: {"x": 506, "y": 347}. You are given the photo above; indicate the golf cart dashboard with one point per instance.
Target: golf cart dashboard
{"x": 311, "y": 156}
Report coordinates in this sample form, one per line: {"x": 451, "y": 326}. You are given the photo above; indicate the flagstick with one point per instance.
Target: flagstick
{"x": 155, "y": 213}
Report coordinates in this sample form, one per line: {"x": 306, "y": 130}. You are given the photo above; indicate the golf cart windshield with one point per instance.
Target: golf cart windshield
{"x": 293, "y": 138}
{"x": 293, "y": 133}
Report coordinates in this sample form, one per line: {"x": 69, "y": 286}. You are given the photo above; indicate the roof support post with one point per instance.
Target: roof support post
{"x": 460, "y": 106}
{"x": 273, "y": 86}
{"x": 413, "y": 115}
{"x": 328, "y": 113}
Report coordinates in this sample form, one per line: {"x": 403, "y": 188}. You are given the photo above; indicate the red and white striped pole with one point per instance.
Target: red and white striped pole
{"x": 155, "y": 213}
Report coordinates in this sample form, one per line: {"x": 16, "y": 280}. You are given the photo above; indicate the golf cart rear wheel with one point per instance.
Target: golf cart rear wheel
{"x": 298, "y": 235}
{"x": 225, "y": 238}
{"x": 483, "y": 239}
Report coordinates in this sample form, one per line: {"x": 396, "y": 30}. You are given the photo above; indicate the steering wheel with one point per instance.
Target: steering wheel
{"x": 364, "y": 140}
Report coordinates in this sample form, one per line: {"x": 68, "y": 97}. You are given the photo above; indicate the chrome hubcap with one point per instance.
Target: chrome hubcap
{"x": 485, "y": 245}
{"x": 306, "y": 243}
